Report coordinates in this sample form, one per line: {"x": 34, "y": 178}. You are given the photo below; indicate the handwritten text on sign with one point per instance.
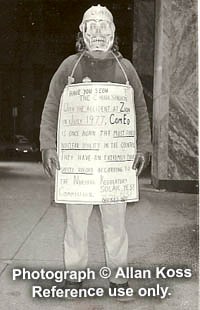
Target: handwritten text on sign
{"x": 96, "y": 144}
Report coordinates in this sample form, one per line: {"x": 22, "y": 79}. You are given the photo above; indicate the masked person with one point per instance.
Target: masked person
{"x": 97, "y": 60}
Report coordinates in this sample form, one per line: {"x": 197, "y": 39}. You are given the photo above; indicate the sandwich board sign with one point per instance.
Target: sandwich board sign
{"x": 96, "y": 144}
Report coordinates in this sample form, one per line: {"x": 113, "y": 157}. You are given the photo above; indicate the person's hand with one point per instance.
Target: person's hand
{"x": 50, "y": 162}
{"x": 141, "y": 161}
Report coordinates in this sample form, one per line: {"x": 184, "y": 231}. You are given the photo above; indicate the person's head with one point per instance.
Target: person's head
{"x": 98, "y": 29}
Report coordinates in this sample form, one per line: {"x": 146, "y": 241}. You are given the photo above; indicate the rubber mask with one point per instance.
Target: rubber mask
{"x": 98, "y": 35}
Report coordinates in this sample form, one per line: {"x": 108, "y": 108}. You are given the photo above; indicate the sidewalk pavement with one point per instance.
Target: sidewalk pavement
{"x": 162, "y": 231}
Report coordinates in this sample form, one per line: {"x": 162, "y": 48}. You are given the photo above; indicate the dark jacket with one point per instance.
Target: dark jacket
{"x": 98, "y": 70}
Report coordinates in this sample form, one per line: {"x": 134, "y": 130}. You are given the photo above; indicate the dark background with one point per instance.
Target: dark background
{"x": 36, "y": 36}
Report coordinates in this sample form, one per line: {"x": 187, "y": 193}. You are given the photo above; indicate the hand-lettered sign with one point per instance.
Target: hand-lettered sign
{"x": 96, "y": 144}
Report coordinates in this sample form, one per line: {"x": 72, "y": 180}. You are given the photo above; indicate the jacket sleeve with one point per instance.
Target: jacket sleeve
{"x": 48, "y": 126}
{"x": 142, "y": 118}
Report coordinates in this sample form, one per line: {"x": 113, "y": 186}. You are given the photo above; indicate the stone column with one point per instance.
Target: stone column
{"x": 175, "y": 124}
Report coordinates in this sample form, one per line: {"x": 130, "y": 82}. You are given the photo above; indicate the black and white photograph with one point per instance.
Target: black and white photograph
{"x": 99, "y": 166}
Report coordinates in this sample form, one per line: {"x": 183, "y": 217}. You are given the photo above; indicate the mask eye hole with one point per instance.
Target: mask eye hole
{"x": 103, "y": 25}
{"x": 93, "y": 26}
{"x": 90, "y": 27}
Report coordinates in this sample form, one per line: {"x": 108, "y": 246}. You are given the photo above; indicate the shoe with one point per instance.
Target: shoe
{"x": 118, "y": 285}
{"x": 115, "y": 288}
{"x": 72, "y": 284}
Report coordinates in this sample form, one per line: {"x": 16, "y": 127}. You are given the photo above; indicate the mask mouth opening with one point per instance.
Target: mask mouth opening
{"x": 98, "y": 44}
{"x": 98, "y": 40}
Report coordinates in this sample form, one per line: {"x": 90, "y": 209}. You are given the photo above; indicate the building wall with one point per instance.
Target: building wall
{"x": 183, "y": 116}
{"x": 175, "y": 109}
